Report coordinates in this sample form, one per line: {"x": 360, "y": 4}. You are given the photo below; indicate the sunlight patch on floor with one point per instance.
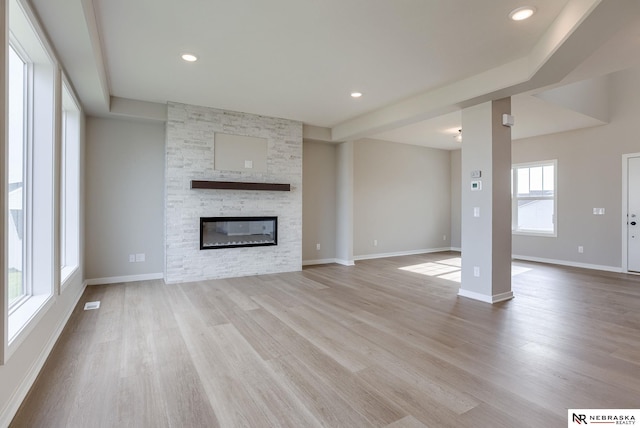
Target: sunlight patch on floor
{"x": 517, "y": 270}
{"x": 450, "y": 269}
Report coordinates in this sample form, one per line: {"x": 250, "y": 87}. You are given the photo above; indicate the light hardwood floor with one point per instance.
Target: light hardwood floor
{"x": 363, "y": 346}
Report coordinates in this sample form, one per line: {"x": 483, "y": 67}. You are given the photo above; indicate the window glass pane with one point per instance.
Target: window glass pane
{"x": 63, "y": 192}
{"x": 548, "y": 180}
{"x": 70, "y": 188}
{"x": 536, "y": 215}
{"x": 535, "y": 181}
{"x": 523, "y": 181}
{"x": 16, "y": 152}
{"x": 533, "y": 207}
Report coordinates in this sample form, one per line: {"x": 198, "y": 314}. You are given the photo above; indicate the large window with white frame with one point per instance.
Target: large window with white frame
{"x": 31, "y": 170}
{"x": 69, "y": 185}
{"x": 17, "y": 154}
{"x": 534, "y": 198}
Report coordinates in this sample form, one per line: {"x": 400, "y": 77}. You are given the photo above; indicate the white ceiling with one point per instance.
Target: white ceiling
{"x": 533, "y": 117}
{"x": 417, "y": 62}
{"x": 300, "y": 59}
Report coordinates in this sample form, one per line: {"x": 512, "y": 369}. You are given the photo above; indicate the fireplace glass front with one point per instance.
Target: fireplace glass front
{"x": 233, "y": 232}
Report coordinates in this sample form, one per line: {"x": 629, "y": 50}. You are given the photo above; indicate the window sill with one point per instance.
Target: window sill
{"x": 66, "y": 275}
{"x": 530, "y": 233}
{"x": 22, "y": 320}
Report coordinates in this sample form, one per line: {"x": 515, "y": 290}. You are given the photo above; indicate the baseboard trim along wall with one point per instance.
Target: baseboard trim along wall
{"x": 401, "y": 253}
{"x": 615, "y": 269}
{"x": 318, "y": 262}
{"x": 344, "y": 262}
{"x": 21, "y": 392}
{"x": 126, "y": 278}
{"x": 375, "y": 256}
{"x": 485, "y": 298}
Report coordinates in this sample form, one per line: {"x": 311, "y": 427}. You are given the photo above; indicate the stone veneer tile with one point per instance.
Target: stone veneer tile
{"x": 190, "y": 156}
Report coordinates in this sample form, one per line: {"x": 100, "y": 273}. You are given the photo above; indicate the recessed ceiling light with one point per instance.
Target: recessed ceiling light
{"x": 356, "y": 94}
{"x": 189, "y": 57}
{"x": 522, "y": 13}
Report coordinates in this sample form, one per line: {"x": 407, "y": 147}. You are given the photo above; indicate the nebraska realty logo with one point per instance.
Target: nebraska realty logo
{"x": 599, "y": 417}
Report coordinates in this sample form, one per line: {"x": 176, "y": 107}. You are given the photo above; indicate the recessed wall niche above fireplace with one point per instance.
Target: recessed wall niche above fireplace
{"x": 233, "y": 232}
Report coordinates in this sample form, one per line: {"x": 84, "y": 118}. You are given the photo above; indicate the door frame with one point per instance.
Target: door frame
{"x": 625, "y": 207}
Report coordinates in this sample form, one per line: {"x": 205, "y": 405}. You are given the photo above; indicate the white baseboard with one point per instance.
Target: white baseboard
{"x": 401, "y": 253}
{"x": 568, "y": 263}
{"x": 319, "y": 262}
{"x": 377, "y": 256}
{"x": 10, "y": 410}
{"x": 328, "y": 261}
{"x": 126, "y": 278}
{"x": 486, "y": 298}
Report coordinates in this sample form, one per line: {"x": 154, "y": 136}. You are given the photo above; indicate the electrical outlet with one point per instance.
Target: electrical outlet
{"x": 444, "y": 237}
{"x": 476, "y": 271}
{"x": 375, "y": 242}
{"x": 476, "y": 211}
{"x": 140, "y": 257}
{"x": 580, "y": 249}
{"x": 132, "y": 258}
{"x": 318, "y": 247}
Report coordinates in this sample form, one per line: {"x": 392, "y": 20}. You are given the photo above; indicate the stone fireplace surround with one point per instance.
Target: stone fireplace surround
{"x": 190, "y": 154}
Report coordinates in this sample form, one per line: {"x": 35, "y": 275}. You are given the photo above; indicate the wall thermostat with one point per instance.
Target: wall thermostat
{"x": 507, "y": 120}
{"x": 476, "y": 185}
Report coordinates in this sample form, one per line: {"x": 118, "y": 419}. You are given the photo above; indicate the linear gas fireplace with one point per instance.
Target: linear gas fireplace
{"x": 233, "y": 232}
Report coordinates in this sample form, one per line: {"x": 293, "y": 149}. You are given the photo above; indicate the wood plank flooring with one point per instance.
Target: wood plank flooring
{"x": 373, "y": 345}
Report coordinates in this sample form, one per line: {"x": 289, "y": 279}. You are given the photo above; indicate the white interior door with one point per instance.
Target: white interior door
{"x": 633, "y": 214}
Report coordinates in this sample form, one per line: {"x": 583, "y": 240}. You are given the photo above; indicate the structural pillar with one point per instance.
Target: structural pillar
{"x": 344, "y": 204}
{"x": 486, "y": 202}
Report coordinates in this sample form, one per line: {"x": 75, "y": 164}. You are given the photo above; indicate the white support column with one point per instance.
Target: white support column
{"x": 344, "y": 208}
{"x": 486, "y": 202}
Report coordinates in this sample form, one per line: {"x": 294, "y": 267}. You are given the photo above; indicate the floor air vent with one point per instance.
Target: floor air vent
{"x": 91, "y": 305}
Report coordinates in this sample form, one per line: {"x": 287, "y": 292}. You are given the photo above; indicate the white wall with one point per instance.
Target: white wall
{"x": 456, "y": 198}
{"x": 125, "y": 194}
{"x": 402, "y": 198}
{"x": 589, "y": 176}
{"x": 318, "y": 202}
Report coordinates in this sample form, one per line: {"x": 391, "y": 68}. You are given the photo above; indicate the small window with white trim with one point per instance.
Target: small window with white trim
{"x": 534, "y": 203}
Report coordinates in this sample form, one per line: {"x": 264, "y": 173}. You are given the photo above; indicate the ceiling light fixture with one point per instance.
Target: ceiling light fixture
{"x": 356, "y": 94}
{"x": 189, "y": 57}
{"x": 522, "y": 13}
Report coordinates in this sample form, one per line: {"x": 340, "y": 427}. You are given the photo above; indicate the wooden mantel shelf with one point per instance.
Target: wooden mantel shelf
{"x": 237, "y": 185}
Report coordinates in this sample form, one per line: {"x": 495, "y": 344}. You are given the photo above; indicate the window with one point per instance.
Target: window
{"x": 30, "y": 186}
{"x": 16, "y": 173}
{"x": 534, "y": 198}
{"x": 69, "y": 185}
